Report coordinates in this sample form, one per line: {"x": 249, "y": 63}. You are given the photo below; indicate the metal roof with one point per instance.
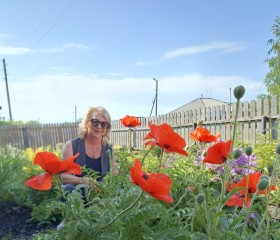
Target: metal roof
{"x": 199, "y": 103}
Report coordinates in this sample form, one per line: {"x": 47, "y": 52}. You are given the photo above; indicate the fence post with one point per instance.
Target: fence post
{"x": 274, "y": 132}
{"x": 25, "y": 137}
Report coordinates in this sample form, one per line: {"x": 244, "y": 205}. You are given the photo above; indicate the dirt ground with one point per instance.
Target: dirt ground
{"x": 16, "y": 224}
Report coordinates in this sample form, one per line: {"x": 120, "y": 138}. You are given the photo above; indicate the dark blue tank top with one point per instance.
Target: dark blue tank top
{"x": 94, "y": 164}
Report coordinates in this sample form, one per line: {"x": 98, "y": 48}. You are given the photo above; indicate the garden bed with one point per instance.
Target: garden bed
{"x": 15, "y": 222}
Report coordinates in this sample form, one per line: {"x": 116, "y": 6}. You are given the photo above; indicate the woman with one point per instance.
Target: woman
{"x": 93, "y": 146}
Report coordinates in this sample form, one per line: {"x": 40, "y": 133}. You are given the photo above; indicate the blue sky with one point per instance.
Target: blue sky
{"x": 67, "y": 53}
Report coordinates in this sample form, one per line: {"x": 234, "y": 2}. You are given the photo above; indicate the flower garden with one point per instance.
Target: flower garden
{"x": 212, "y": 189}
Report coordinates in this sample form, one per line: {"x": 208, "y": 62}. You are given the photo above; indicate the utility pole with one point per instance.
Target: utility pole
{"x": 230, "y": 96}
{"x": 156, "y": 97}
{"x": 7, "y": 89}
{"x": 75, "y": 113}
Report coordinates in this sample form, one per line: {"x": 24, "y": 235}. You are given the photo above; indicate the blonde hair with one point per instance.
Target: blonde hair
{"x": 83, "y": 130}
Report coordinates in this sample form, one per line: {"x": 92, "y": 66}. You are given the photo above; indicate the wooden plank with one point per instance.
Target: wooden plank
{"x": 266, "y": 110}
{"x": 274, "y": 107}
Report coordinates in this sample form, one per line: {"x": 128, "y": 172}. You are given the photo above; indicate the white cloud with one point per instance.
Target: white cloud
{"x": 13, "y": 50}
{"x": 64, "y": 48}
{"x": 52, "y": 98}
{"x": 140, "y": 64}
{"x": 225, "y": 46}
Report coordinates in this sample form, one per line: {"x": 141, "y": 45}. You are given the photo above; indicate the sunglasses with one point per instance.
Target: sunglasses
{"x": 95, "y": 122}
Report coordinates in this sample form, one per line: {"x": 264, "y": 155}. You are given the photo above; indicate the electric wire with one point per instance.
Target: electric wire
{"x": 46, "y": 33}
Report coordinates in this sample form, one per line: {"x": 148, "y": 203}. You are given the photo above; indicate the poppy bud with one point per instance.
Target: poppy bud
{"x": 278, "y": 149}
{"x": 237, "y": 153}
{"x": 238, "y": 92}
{"x": 264, "y": 177}
{"x": 96, "y": 200}
{"x": 248, "y": 150}
{"x": 200, "y": 198}
{"x": 263, "y": 184}
{"x": 101, "y": 205}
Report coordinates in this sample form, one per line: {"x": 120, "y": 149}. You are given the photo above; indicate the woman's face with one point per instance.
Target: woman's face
{"x": 97, "y": 125}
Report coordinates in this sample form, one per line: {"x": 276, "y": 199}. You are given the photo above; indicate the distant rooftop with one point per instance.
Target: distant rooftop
{"x": 199, "y": 103}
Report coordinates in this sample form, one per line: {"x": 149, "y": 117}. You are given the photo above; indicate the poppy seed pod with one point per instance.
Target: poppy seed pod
{"x": 237, "y": 153}
{"x": 263, "y": 184}
{"x": 200, "y": 198}
{"x": 239, "y": 92}
{"x": 249, "y": 150}
{"x": 278, "y": 149}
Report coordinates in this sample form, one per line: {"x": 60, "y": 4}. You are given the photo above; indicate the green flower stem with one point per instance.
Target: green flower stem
{"x": 277, "y": 204}
{"x": 225, "y": 179}
{"x": 160, "y": 160}
{"x": 235, "y": 125}
{"x": 268, "y": 193}
{"x": 124, "y": 211}
{"x": 129, "y": 139}
{"x": 273, "y": 176}
{"x": 59, "y": 185}
{"x": 265, "y": 217}
{"x": 227, "y": 164}
{"x": 247, "y": 180}
{"x": 181, "y": 198}
{"x": 142, "y": 162}
{"x": 248, "y": 213}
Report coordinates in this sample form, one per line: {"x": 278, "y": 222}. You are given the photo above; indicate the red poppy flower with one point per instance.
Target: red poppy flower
{"x": 130, "y": 121}
{"x": 218, "y": 153}
{"x": 52, "y": 165}
{"x": 165, "y": 137}
{"x": 201, "y": 134}
{"x": 156, "y": 184}
{"x": 253, "y": 180}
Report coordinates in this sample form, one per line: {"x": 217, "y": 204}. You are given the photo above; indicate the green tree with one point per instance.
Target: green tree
{"x": 272, "y": 79}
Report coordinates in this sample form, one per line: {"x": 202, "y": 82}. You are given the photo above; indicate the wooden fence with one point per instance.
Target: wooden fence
{"x": 254, "y": 118}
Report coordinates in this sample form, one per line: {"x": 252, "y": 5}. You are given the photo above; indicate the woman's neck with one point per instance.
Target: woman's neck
{"x": 93, "y": 141}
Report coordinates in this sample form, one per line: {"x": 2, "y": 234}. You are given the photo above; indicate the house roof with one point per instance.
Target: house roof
{"x": 199, "y": 103}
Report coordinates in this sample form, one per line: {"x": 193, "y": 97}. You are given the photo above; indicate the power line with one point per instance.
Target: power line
{"x": 46, "y": 33}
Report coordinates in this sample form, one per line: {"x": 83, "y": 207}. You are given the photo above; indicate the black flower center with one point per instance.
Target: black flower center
{"x": 146, "y": 177}
{"x": 166, "y": 146}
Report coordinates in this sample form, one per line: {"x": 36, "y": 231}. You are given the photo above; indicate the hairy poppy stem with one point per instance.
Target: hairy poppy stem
{"x": 125, "y": 210}
{"x": 247, "y": 216}
{"x": 142, "y": 162}
{"x": 234, "y": 125}
{"x": 129, "y": 139}
{"x": 59, "y": 185}
{"x": 160, "y": 160}
{"x": 247, "y": 181}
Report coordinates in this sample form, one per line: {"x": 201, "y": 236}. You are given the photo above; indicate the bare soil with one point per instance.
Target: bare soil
{"x": 16, "y": 223}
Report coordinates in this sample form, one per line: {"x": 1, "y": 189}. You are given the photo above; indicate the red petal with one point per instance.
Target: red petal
{"x": 159, "y": 189}
{"x": 48, "y": 161}
{"x": 40, "y": 182}
{"x": 238, "y": 200}
{"x": 226, "y": 148}
{"x": 69, "y": 166}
